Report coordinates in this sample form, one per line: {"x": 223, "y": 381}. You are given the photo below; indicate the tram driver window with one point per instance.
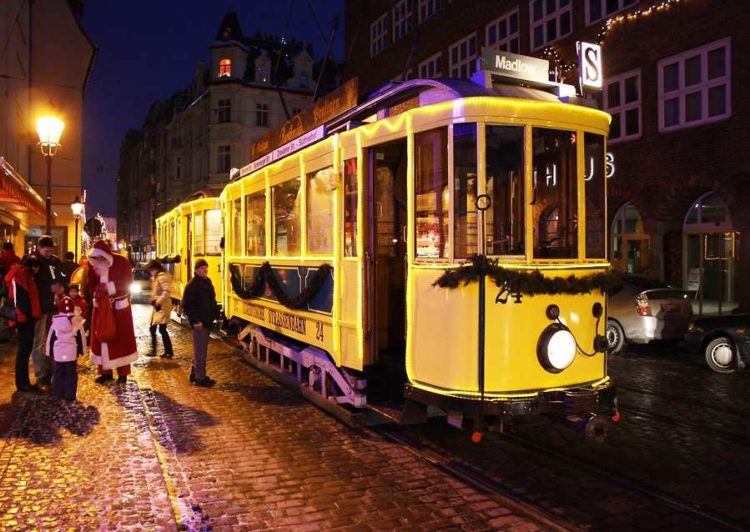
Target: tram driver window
{"x": 287, "y": 234}
{"x": 320, "y": 212}
{"x": 554, "y": 201}
{"x": 505, "y": 186}
{"x": 431, "y": 194}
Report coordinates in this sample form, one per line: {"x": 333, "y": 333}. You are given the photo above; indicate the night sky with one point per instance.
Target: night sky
{"x": 148, "y": 49}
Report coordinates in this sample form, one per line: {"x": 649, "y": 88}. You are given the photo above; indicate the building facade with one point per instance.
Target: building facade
{"x": 673, "y": 75}
{"x": 45, "y": 61}
{"x": 192, "y": 141}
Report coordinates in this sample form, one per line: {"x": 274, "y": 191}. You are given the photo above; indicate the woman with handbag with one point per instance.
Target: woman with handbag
{"x": 22, "y": 291}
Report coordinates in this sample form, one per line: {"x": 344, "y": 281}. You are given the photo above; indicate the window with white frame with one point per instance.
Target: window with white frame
{"x": 550, "y": 21}
{"x": 402, "y": 18}
{"x": 432, "y": 67}
{"x": 695, "y": 86}
{"x": 428, "y": 8}
{"x": 622, "y": 100}
{"x": 596, "y": 10}
{"x": 261, "y": 114}
{"x": 223, "y": 158}
{"x": 378, "y": 31}
{"x": 502, "y": 33}
{"x": 463, "y": 56}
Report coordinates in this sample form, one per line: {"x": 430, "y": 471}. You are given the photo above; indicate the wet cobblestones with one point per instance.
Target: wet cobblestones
{"x": 161, "y": 454}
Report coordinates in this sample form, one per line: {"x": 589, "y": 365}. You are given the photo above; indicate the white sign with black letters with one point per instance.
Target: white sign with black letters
{"x": 590, "y": 65}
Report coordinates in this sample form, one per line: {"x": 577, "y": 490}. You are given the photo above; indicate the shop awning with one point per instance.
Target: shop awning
{"x": 16, "y": 195}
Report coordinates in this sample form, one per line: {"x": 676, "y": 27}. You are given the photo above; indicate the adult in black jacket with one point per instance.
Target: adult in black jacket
{"x": 199, "y": 304}
{"x": 50, "y": 269}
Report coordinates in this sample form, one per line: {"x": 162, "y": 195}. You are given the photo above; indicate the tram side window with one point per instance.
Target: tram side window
{"x": 432, "y": 195}
{"x": 595, "y": 179}
{"x": 320, "y": 212}
{"x": 505, "y": 186}
{"x": 286, "y": 218}
{"x": 255, "y": 210}
{"x": 350, "y": 208}
{"x": 465, "y": 176}
{"x": 213, "y": 232}
{"x": 200, "y": 248}
{"x": 237, "y": 227}
{"x": 554, "y": 200}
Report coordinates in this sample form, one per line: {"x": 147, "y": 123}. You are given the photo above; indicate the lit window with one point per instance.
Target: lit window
{"x": 255, "y": 211}
{"x": 225, "y": 68}
{"x": 224, "y": 111}
{"x": 320, "y": 200}
{"x": 261, "y": 114}
{"x": 695, "y": 86}
{"x": 213, "y": 232}
{"x": 378, "y": 31}
{"x": 432, "y": 67}
{"x": 286, "y": 213}
{"x": 224, "y": 158}
{"x": 402, "y": 19}
{"x": 622, "y": 100}
{"x": 502, "y": 33}
{"x": 431, "y": 194}
{"x": 550, "y": 20}
{"x": 463, "y": 55}
{"x": 598, "y": 9}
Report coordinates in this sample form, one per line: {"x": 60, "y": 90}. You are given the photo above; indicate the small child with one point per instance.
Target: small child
{"x": 65, "y": 342}
{"x": 78, "y": 301}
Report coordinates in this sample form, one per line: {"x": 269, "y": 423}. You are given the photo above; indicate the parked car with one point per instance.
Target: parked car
{"x": 645, "y": 310}
{"x": 140, "y": 289}
{"x": 723, "y": 340}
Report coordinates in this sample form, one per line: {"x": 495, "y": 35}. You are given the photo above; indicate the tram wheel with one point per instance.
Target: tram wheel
{"x": 721, "y": 355}
{"x": 615, "y": 336}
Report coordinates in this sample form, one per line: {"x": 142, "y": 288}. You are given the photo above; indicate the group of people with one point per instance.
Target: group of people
{"x": 57, "y": 304}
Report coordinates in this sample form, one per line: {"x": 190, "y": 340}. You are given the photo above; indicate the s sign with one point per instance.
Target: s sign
{"x": 590, "y": 65}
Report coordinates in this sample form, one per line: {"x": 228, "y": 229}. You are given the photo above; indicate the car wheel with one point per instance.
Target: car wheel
{"x": 721, "y": 355}
{"x": 615, "y": 336}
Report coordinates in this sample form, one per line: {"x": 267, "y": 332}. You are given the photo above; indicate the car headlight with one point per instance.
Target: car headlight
{"x": 556, "y": 348}
{"x": 135, "y": 288}
{"x": 693, "y": 328}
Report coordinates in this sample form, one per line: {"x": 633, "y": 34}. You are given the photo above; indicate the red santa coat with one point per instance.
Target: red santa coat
{"x": 117, "y": 279}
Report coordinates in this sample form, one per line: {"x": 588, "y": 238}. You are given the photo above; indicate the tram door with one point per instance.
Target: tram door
{"x": 386, "y": 265}
{"x": 189, "y": 248}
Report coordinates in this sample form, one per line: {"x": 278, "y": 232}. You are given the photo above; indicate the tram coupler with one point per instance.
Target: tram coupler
{"x": 593, "y": 427}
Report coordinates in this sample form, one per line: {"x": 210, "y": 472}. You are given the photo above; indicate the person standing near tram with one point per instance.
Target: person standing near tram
{"x": 199, "y": 304}
{"x": 161, "y": 301}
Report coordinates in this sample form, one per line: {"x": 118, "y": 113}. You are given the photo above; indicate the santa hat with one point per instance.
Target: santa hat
{"x": 102, "y": 249}
{"x": 66, "y": 306}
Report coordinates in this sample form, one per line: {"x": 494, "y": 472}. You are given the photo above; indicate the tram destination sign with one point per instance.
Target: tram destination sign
{"x": 514, "y": 66}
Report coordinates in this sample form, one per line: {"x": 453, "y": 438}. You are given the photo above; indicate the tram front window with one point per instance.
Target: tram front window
{"x": 505, "y": 186}
{"x": 465, "y": 172}
{"x": 432, "y": 197}
{"x": 554, "y": 199}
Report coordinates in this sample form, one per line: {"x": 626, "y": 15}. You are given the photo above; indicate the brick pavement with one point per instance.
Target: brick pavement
{"x": 247, "y": 454}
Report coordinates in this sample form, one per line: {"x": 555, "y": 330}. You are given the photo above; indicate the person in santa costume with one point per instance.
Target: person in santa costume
{"x": 110, "y": 276}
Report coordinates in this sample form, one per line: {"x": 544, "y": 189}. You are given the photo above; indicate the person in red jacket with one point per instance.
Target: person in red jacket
{"x": 8, "y": 257}
{"x": 23, "y": 292}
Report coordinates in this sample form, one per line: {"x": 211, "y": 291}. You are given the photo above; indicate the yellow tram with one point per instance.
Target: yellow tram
{"x": 191, "y": 231}
{"x": 353, "y": 260}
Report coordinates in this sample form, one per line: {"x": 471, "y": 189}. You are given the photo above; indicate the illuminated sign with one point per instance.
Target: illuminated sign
{"x": 311, "y": 137}
{"x": 609, "y": 167}
{"x": 514, "y": 66}
{"x": 590, "y": 65}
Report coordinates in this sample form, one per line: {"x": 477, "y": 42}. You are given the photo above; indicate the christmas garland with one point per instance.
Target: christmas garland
{"x": 266, "y": 276}
{"x": 170, "y": 259}
{"x": 529, "y": 283}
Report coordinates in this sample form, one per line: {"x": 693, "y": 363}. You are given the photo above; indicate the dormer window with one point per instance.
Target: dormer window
{"x": 303, "y": 81}
{"x": 225, "y": 68}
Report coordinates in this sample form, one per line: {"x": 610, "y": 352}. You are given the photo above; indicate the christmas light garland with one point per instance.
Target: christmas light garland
{"x": 633, "y": 16}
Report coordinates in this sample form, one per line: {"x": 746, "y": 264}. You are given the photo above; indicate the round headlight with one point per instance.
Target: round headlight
{"x": 556, "y": 348}
{"x": 135, "y": 288}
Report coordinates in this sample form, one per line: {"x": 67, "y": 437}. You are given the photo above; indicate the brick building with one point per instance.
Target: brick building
{"x": 191, "y": 141}
{"x": 673, "y": 76}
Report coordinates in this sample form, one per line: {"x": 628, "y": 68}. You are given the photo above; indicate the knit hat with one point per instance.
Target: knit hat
{"x": 102, "y": 249}
{"x": 200, "y": 263}
{"x": 45, "y": 242}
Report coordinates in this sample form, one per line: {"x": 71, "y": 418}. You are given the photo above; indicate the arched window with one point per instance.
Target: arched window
{"x": 708, "y": 209}
{"x": 629, "y": 251}
{"x": 225, "y": 68}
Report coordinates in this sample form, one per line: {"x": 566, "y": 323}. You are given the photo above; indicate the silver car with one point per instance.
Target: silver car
{"x": 645, "y": 310}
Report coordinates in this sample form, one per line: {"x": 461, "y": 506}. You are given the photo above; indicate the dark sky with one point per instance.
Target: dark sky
{"x": 148, "y": 49}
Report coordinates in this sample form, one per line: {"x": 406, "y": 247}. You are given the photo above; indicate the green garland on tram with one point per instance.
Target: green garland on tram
{"x": 265, "y": 276}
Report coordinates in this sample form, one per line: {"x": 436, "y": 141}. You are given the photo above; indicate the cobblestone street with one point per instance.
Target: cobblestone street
{"x": 159, "y": 453}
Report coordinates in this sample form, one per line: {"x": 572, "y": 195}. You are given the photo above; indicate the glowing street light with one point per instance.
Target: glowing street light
{"x": 49, "y": 129}
{"x": 77, "y": 208}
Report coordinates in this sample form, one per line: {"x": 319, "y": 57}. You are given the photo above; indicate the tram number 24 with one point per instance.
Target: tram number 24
{"x": 319, "y": 331}
{"x": 506, "y": 292}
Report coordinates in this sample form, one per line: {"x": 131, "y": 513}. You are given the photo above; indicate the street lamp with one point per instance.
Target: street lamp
{"x": 49, "y": 129}
{"x": 77, "y": 208}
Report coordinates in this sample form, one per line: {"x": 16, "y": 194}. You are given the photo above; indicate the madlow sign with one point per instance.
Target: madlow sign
{"x": 514, "y": 66}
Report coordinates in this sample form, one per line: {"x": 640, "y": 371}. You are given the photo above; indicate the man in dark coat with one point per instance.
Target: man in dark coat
{"x": 199, "y": 304}
{"x": 68, "y": 265}
{"x": 50, "y": 269}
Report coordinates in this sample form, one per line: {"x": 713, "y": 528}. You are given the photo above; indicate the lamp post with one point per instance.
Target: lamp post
{"x": 77, "y": 208}
{"x": 50, "y": 129}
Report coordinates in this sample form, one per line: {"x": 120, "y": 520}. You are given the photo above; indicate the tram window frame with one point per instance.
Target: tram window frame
{"x": 252, "y": 214}
{"x": 440, "y": 142}
{"x": 500, "y": 216}
{"x": 351, "y": 204}
{"x": 212, "y": 232}
{"x": 199, "y": 236}
{"x": 275, "y": 192}
{"x": 549, "y": 215}
{"x": 595, "y": 184}
{"x": 237, "y": 235}
{"x": 465, "y": 180}
{"x": 320, "y": 181}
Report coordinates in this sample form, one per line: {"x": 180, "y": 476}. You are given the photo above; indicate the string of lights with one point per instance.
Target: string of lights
{"x": 633, "y": 16}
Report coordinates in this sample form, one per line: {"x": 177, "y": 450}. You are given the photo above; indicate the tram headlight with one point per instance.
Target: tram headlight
{"x": 556, "y": 348}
